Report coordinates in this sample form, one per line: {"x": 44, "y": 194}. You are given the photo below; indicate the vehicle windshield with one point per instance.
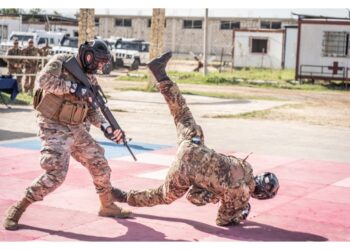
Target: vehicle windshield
{"x": 70, "y": 43}
{"x": 21, "y": 38}
{"x": 128, "y": 46}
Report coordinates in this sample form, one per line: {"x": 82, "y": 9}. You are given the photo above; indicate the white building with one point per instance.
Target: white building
{"x": 290, "y": 46}
{"x": 323, "y": 50}
{"x": 260, "y": 48}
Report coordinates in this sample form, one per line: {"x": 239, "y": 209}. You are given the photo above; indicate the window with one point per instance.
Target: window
{"x": 229, "y": 25}
{"x": 3, "y": 31}
{"x": 149, "y": 23}
{"x": 259, "y": 45}
{"x": 97, "y": 21}
{"x": 192, "y": 24}
{"x": 123, "y": 22}
{"x": 270, "y": 25}
{"x": 335, "y": 44}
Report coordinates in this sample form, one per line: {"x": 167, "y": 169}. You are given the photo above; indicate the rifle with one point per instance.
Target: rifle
{"x": 98, "y": 97}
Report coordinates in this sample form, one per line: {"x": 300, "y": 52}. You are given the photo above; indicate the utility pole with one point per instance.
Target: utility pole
{"x": 205, "y": 43}
{"x": 86, "y": 25}
{"x": 157, "y": 38}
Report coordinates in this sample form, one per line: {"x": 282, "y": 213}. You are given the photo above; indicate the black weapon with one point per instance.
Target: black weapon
{"x": 97, "y": 95}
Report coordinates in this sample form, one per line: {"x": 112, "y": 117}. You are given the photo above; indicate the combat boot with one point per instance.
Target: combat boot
{"x": 119, "y": 195}
{"x": 14, "y": 214}
{"x": 109, "y": 209}
{"x": 157, "y": 66}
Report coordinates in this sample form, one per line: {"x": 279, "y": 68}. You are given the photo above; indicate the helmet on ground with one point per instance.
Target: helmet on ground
{"x": 93, "y": 53}
{"x": 266, "y": 186}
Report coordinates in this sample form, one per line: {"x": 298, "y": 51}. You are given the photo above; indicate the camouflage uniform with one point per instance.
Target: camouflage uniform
{"x": 209, "y": 176}
{"x": 14, "y": 65}
{"x": 60, "y": 140}
{"x": 31, "y": 67}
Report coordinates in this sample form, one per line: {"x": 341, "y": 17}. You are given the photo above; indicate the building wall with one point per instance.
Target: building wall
{"x": 290, "y": 51}
{"x": 243, "y": 57}
{"x": 180, "y": 40}
{"x": 311, "y": 38}
{"x": 11, "y": 24}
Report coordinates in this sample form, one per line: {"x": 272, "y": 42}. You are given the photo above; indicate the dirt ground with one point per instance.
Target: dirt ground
{"x": 310, "y": 107}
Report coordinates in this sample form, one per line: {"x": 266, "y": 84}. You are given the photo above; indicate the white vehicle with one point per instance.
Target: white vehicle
{"x": 130, "y": 52}
{"x": 68, "y": 45}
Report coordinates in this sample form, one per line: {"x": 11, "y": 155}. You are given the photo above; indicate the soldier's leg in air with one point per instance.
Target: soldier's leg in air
{"x": 91, "y": 155}
{"x": 175, "y": 186}
{"x": 54, "y": 160}
{"x": 185, "y": 124}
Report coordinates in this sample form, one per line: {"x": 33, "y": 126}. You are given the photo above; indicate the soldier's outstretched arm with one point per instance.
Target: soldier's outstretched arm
{"x": 174, "y": 187}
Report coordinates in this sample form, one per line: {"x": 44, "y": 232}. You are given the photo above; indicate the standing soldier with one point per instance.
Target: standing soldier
{"x": 63, "y": 109}
{"x": 14, "y": 65}
{"x": 209, "y": 177}
{"x": 30, "y": 65}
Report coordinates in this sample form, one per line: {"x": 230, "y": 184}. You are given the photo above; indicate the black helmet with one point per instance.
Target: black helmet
{"x": 92, "y": 53}
{"x": 266, "y": 186}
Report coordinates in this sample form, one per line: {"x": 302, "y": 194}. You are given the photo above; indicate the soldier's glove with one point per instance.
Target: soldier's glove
{"x": 107, "y": 130}
{"x": 241, "y": 217}
{"x": 78, "y": 90}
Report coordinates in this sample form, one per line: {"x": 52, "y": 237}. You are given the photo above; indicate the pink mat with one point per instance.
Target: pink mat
{"x": 312, "y": 204}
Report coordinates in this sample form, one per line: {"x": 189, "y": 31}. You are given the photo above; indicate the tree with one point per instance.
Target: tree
{"x": 57, "y": 13}
{"x": 157, "y": 38}
{"x": 35, "y": 11}
{"x": 10, "y": 11}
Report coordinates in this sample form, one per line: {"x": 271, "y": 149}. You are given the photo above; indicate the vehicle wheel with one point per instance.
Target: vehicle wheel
{"x": 107, "y": 68}
{"x": 118, "y": 63}
{"x": 135, "y": 65}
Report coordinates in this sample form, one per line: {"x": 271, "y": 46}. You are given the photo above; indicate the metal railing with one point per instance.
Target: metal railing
{"x": 42, "y": 58}
{"x": 323, "y": 72}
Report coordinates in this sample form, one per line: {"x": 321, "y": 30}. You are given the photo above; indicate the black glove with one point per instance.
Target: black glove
{"x": 78, "y": 90}
{"x": 107, "y": 131}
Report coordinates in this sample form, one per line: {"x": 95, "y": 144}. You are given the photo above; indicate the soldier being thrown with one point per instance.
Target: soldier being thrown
{"x": 209, "y": 177}
{"x": 63, "y": 112}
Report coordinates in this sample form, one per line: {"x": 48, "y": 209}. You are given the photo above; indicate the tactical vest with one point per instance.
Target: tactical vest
{"x": 67, "y": 108}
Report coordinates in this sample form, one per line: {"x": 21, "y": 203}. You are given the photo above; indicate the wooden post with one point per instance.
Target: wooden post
{"x": 86, "y": 25}
{"x": 156, "y": 39}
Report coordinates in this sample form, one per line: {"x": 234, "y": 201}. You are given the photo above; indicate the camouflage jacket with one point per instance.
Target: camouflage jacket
{"x": 54, "y": 79}
{"x": 13, "y": 62}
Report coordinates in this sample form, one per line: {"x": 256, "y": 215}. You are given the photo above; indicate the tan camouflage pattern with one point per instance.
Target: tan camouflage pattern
{"x": 210, "y": 175}
{"x": 60, "y": 141}
{"x": 14, "y": 66}
{"x": 54, "y": 79}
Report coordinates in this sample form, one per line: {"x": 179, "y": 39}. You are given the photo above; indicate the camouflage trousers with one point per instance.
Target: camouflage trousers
{"x": 29, "y": 80}
{"x": 177, "y": 182}
{"x": 59, "y": 142}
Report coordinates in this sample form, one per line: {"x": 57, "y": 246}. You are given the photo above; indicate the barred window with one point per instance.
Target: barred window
{"x": 335, "y": 44}
{"x": 259, "y": 45}
{"x": 229, "y": 25}
{"x": 192, "y": 24}
{"x": 3, "y": 31}
{"x": 123, "y": 22}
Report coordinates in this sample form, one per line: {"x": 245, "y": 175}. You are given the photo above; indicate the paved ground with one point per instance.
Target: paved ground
{"x": 309, "y": 206}
{"x": 312, "y": 162}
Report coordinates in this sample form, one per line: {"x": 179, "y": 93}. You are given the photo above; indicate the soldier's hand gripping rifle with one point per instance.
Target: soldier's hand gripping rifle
{"x": 98, "y": 99}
